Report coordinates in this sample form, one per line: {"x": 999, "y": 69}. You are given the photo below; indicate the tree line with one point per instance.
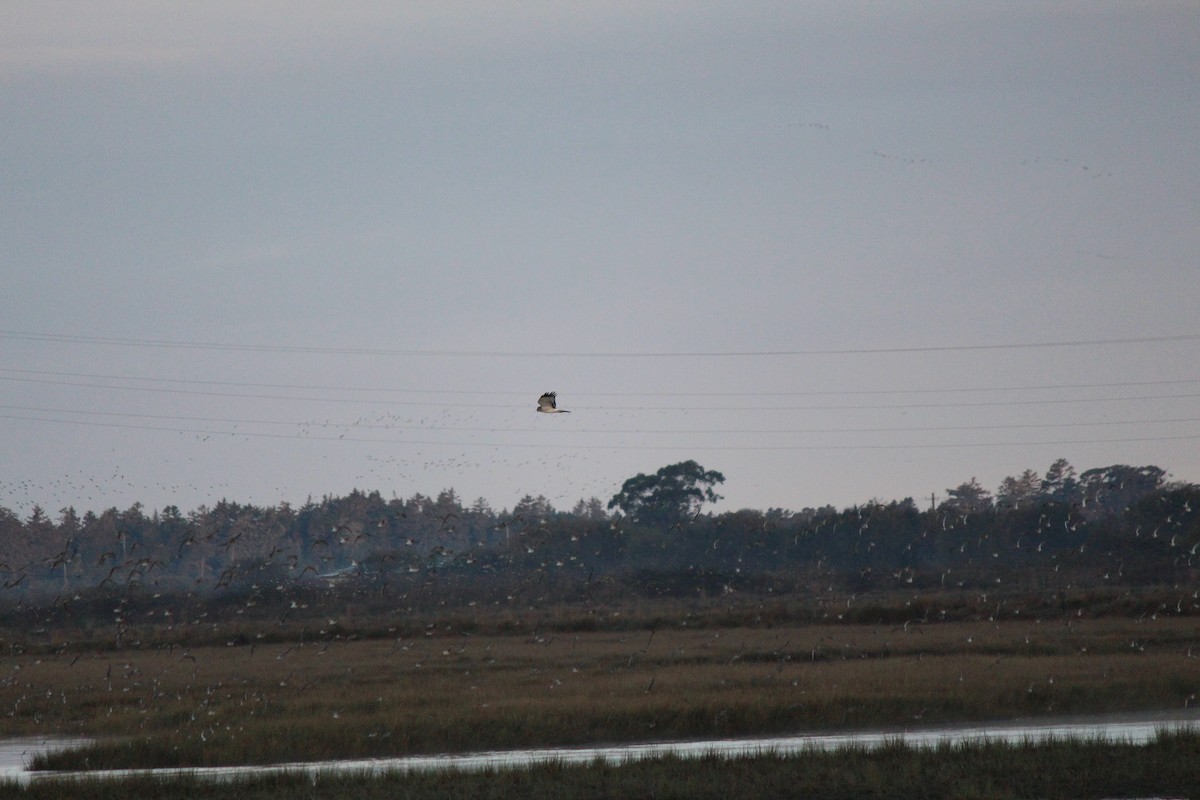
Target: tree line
{"x": 1117, "y": 525}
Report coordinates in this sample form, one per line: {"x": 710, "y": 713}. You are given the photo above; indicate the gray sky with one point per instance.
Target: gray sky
{"x": 272, "y": 250}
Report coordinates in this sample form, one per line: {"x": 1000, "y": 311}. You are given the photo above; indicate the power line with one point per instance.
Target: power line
{"x": 564, "y": 446}
{"x": 757, "y": 407}
{"x": 398, "y": 352}
{"x": 360, "y": 425}
{"x": 589, "y": 393}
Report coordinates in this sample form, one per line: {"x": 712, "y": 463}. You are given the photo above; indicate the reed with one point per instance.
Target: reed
{"x": 445, "y": 690}
{"x": 1167, "y": 766}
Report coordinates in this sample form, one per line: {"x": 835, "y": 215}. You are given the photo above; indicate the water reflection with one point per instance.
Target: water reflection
{"x": 16, "y": 753}
{"x": 1131, "y": 728}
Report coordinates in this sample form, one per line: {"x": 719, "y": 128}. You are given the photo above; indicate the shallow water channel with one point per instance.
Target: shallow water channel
{"x": 1131, "y": 728}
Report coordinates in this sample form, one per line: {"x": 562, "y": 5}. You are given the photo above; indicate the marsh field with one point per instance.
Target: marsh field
{"x": 339, "y": 685}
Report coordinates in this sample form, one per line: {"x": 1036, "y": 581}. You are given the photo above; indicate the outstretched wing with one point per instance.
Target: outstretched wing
{"x": 546, "y": 401}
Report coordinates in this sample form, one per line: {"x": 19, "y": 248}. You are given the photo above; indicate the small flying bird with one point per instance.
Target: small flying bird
{"x": 546, "y": 404}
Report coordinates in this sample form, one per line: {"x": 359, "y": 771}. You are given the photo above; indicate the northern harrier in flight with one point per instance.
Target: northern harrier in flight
{"x": 546, "y": 404}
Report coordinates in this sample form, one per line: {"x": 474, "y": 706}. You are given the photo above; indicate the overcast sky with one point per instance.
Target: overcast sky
{"x": 837, "y": 251}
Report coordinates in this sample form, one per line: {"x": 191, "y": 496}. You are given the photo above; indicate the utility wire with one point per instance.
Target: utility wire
{"x": 367, "y": 351}
{"x": 757, "y": 407}
{"x": 360, "y": 425}
{"x": 563, "y": 446}
{"x": 587, "y": 393}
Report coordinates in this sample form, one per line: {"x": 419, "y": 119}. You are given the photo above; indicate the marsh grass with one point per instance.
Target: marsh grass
{"x": 445, "y": 691}
{"x": 1167, "y": 766}
{"x": 149, "y": 622}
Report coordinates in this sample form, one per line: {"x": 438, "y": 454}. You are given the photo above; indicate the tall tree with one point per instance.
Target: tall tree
{"x": 592, "y": 508}
{"x": 670, "y": 495}
{"x": 1108, "y": 490}
{"x": 534, "y": 509}
{"x": 969, "y": 497}
{"x": 1060, "y": 483}
{"x": 1019, "y": 491}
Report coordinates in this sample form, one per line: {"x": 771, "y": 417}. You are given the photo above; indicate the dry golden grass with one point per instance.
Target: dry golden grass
{"x": 444, "y": 691}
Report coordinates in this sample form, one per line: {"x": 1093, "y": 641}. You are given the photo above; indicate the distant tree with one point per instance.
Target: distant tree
{"x": 969, "y": 497}
{"x": 419, "y": 505}
{"x": 38, "y": 521}
{"x": 670, "y": 495}
{"x": 68, "y": 521}
{"x": 1020, "y": 491}
{"x": 533, "y": 509}
{"x": 172, "y": 527}
{"x": 447, "y": 502}
{"x": 592, "y": 508}
{"x": 1109, "y": 490}
{"x": 1060, "y": 483}
{"x": 809, "y": 513}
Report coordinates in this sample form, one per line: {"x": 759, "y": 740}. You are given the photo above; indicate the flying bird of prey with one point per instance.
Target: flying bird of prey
{"x": 546, "y": 404}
